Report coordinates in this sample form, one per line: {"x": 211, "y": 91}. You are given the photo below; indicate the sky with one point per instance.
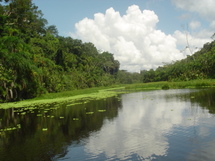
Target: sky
{"x": 141, "y": 34}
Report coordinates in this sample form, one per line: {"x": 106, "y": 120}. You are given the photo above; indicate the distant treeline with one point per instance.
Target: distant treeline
{"x": 35, "y": 60}
{"x": 201, "y": 65}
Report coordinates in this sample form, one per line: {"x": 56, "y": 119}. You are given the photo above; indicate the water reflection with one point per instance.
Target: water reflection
{"x": 155, "y": 125}
{"x": 45, "y": 132}
{"x": 145, "y": 124}
{"x": 205, "y": 99}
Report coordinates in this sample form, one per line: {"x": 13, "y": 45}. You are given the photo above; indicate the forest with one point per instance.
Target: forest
{"x": 200, "y": 65}
{"x": 35, "y": 60}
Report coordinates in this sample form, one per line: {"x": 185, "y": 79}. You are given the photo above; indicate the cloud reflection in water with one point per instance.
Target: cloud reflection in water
{"x": 143, "y": 124}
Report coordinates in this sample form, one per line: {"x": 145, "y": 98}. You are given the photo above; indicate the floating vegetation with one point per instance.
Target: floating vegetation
{"x": 23, "y": 113}
{"x": 54, "y": 108}
{"x": 72, "y": 104}
{"x": 44, "y": 129}
{"x": 89, "y": 113}
{"x": 83, "y": 97}
{"x": 75, "y": 119}
{"x": 18, "y": 126}
{"x": 39, "y": 115}
{"x": 8, "y": 129}
{"x": 101, "y": 110}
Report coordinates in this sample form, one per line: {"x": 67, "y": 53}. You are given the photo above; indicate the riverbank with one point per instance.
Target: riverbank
{"x": 74, "y": 96}
{"x": 104, "y": 92}
{"x": 173, "y": 85}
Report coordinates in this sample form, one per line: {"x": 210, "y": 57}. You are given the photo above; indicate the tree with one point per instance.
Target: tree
{"x": 52, "y": 30}
{"x": 26, "y": 17}
{"x": 109, "y": 65}
{"x": 35, "y": 60}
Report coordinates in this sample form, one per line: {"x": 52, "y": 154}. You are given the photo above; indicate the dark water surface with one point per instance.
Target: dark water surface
{"x": 156, "y": 125}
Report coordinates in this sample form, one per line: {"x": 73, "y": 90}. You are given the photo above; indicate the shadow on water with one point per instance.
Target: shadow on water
{"x": 44, "y": 132}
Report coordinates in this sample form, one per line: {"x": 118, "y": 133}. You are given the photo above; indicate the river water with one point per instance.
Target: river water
{"x": 154, "y": 125}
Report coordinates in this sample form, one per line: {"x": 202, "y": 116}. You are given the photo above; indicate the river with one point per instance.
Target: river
{"x": 176, "y": 124}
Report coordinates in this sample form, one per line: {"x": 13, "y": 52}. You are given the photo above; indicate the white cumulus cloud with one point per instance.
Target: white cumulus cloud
{"x": 190, "y": 43}
{"x": 194, "y": 36}
{"x": 133, "y": 38}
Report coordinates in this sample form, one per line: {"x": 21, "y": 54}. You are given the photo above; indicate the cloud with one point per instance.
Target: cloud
{"x": 197, "y": 36}
{"x": 194, "y": 25}
{"x": 212, "y": 25}
{"x": 190, "y": 43}
{"x": 204, "y": 8}
{"x": 132, "y": 38}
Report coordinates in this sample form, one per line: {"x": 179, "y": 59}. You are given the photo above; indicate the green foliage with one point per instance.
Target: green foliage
{"x": 34, "y": 60}
{"x": 200, "y": 65}
{"x": 165, "y": 86}
{"x": 125, "y": 77}
{"x": 172, "y": 85}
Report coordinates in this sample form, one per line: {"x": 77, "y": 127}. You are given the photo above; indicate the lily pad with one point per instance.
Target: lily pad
{"x": 44, "y": 129}
{"x": 101, "y": 110}
{"x": 23, "y": 113}
{"x": 89, "y": 113}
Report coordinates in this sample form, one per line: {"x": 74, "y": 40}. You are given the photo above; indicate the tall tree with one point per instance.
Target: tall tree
{"x": 26, "y": 17}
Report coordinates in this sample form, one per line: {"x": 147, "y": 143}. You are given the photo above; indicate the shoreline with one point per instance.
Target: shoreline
{"x": 105, "y": 92}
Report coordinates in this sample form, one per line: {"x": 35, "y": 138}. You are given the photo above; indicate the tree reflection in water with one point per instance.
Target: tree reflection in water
{"x": 159, "y": 125}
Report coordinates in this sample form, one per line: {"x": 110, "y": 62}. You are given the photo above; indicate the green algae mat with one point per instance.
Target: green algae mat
{"x": 74, "y": 99}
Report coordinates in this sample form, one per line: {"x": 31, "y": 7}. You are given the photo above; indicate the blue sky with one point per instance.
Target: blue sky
{"x": 142, "y": 34}
{"x": 64, "y": 14}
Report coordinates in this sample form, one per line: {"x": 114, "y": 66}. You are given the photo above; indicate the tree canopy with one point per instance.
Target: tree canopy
{"x": 200, "y": 65}
{"x": 35, "y": 60}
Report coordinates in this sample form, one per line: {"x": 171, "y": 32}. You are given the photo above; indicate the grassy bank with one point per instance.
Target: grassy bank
{"x": 104, "y": 92}
{"x": 172, "y": 85}
{"x": 67, "y": 96}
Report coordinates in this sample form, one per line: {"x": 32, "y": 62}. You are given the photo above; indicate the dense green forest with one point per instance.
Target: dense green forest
{"x": 35, "y": 60}
{"x": 200, "y": 65}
